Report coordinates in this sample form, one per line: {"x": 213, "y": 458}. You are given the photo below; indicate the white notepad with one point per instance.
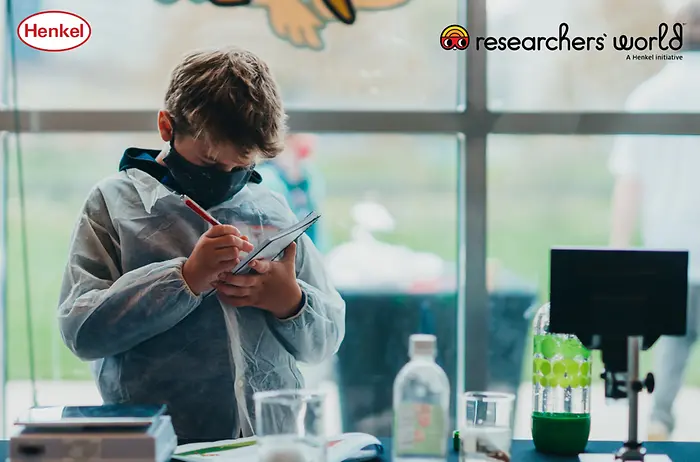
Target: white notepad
{"x": 345, "y": 447}
{"x": 272, "y": 247}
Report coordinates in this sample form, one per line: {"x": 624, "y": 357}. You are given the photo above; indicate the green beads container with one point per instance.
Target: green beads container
{"x": 561, "y": 390}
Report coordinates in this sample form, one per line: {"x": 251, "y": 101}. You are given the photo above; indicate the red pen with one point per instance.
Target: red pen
{"x": 199, "y": 211}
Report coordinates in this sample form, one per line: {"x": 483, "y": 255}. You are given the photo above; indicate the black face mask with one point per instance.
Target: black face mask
{"x": 207, "y": 186}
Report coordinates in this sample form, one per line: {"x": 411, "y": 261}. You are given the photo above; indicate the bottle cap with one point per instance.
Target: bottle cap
{"x": 422, "y": 345}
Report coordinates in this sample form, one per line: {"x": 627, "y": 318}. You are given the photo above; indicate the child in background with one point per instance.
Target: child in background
{"x": 294, "y": 176}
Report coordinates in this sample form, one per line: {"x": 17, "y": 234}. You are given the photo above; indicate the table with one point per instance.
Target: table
{"x": 524, "y": 451}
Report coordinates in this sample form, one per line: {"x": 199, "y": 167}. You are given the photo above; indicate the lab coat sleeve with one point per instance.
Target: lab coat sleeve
{"x": 103, "y": 312}
{"x": 315, "y": 333}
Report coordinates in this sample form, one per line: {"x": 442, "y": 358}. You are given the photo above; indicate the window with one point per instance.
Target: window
{"x": 547, "y": 191}
{"x": 587, "y": 80}
{"x": 542, "y": 190}
{"x": 320, "y": 63}
{"x": 389, "y": 203}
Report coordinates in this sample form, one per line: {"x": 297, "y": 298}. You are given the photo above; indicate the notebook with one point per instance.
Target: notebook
{"x": 272, "y": 247}
{"x": 344, "y": 447}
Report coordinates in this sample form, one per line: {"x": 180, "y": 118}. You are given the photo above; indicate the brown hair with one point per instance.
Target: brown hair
{"x": 227, "y": 96}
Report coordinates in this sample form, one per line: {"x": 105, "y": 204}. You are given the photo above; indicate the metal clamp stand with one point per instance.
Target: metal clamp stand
{"x": 633, "y": 450}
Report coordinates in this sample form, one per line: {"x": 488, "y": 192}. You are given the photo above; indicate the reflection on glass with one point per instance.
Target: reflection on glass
{"x": 600, "y": 191}
{"x": 290, "y": 426}
{"x": 390, "y": 199}
{"x": 564, "y": 79}
{"x": 485, "y": 426}
{"x": 319, "y": 61}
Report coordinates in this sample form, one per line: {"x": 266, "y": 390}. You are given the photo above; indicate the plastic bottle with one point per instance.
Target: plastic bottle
{"x": 421, "y": 405}
{"x": 561, "y": 381}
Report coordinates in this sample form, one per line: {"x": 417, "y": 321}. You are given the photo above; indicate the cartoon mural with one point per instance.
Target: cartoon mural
{"x": 300, "y": 22}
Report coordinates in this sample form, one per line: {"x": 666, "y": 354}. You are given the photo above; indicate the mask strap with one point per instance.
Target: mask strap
{"x": 172, "y": 136}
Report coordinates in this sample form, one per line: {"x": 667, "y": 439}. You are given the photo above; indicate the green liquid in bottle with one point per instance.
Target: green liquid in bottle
{"x": 560, "y": 434}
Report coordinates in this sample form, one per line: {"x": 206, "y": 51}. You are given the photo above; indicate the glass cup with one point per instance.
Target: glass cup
{"x": 485, "y": 426}
{"x": 290, "y": 426}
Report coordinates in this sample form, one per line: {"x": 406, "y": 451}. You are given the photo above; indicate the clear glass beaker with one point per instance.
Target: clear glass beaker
{"x": 485, "y": 426}
{"x": 290, "y": 425}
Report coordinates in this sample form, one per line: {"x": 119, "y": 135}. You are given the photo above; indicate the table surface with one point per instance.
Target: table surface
{"x": 524, "y": 451}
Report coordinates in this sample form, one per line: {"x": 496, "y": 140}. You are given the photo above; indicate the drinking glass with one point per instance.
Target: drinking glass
{"x": 485, "y": 426}
{"x": 290, "y": 426}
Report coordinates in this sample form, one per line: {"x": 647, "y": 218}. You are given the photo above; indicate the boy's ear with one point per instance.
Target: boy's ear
{"x": 165, "y": 126}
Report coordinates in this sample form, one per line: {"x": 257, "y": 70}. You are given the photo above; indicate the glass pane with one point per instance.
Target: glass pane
{"x": 388, "y": 233}
{"x": 319, "y": 61}
{"x": 597, "y": 190}
{"x": 590, "y": 80}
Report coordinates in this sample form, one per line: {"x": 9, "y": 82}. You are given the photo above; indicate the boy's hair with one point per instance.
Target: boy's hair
{"x": 227, "y": 96}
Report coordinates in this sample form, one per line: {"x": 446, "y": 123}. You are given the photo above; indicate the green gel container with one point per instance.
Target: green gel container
{"x": 561, "y": 381}
{"x": 560, "y": 433}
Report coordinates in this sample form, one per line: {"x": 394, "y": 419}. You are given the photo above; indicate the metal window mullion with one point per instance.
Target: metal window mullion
{"x": 473, "y": 297}
{"x": 44, "y": 121}
{"x": 594, "y": 123}
{"x": 473, "y": 122}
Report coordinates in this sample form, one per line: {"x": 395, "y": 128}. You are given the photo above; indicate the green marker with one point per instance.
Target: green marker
{"x": 225, "y": 447}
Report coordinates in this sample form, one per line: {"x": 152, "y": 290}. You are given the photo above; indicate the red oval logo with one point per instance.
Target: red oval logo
{"x": 54, "y": 31}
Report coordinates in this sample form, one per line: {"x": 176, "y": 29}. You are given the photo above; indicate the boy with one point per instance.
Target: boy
{"x": 135, "y": 297}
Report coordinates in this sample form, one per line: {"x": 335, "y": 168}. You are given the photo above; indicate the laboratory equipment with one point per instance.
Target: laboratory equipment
{"x": 421, "y": 404}
{"x": 485, "y": 426}
{"x": 561, "y": 393}
{"x": 290, "y": 426}
{"x": 620, "y": 302}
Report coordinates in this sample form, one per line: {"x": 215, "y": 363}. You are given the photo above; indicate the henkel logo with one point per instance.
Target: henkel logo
{"x": 54, "y": 31}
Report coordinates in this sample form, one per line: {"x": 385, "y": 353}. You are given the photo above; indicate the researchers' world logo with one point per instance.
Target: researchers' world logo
{"x": 454, "y": 37}
{"x": 54, "y": 31}
{"x": 659, "y": 45}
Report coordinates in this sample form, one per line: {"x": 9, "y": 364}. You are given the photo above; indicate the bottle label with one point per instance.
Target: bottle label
{"x": 420, "y": 430}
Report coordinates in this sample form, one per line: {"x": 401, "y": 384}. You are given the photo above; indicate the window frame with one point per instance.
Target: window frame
{"x": 472, "y": 123}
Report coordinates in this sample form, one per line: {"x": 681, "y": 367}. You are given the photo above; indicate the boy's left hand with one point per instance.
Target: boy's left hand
{"x": 274, "y": 288}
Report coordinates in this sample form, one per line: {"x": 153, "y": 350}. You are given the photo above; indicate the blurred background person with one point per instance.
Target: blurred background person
{"x": 294, "y": 175}
{"x": 657, "y": 186}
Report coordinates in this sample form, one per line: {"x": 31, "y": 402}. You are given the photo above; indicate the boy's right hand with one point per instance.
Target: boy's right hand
{"x": 216, "y": 252}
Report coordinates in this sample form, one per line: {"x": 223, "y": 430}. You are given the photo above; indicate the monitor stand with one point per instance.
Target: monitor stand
{"x": 632, "y": 450}
{"x": 611, "y": 458}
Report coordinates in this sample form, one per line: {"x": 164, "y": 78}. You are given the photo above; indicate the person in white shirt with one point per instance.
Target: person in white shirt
{"x": 658, "y": 187}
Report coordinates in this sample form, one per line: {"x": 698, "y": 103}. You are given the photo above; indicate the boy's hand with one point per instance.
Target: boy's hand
{"x": 216, "y": 251}
{"x": 274, "y": 288}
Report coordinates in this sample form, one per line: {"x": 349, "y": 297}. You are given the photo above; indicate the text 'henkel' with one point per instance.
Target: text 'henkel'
{"x": 61, "y": 31}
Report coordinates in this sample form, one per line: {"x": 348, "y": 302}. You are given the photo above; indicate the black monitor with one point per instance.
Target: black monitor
{"x": 618, "y": 302}
{"x": 604, "y": 296}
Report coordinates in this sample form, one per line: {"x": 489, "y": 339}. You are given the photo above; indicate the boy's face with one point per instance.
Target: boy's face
{"x": 199, "y": 152}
